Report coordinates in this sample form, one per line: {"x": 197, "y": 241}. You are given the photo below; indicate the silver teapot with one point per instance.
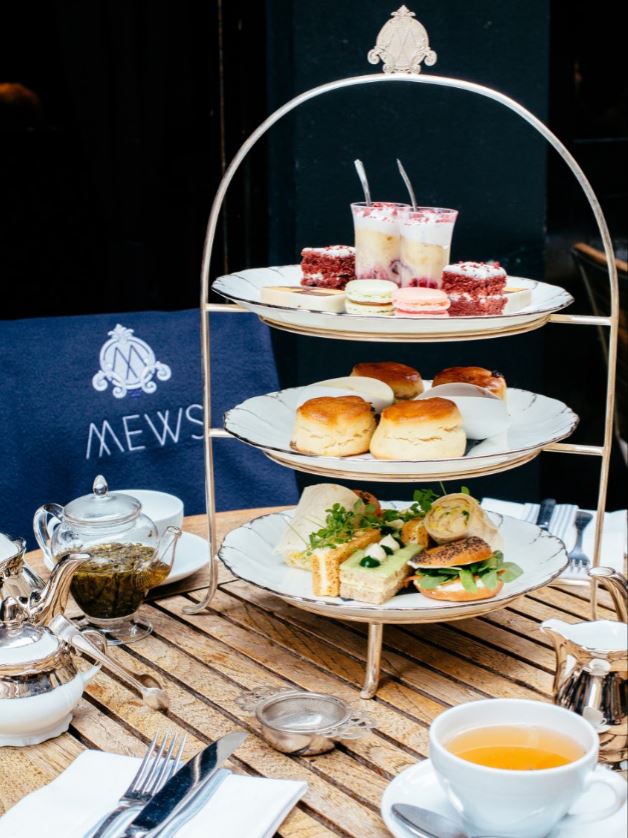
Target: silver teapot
{"x": 592, "y": 670}
{"x": 40, "y": 683}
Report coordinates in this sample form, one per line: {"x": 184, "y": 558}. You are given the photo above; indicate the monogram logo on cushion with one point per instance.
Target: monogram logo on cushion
{"x": 128, "y": 363}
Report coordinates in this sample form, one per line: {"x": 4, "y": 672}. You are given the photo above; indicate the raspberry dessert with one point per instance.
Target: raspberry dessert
{"x": 377, "y": 242}
{"x": 475, "y": 288}
{"x": 328, "y": 267}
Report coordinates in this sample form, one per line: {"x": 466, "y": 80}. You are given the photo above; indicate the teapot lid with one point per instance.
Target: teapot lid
{"x": 21, "y": 642}
{"x": 102, "y": 507}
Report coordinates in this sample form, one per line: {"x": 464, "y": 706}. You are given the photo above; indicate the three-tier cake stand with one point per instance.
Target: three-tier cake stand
{"x": 402, "y": 46}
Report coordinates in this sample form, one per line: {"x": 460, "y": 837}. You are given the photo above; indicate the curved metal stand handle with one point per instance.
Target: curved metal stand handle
{"x": 385, "y": 78}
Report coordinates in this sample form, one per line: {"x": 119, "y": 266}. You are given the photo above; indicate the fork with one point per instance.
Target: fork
{"x": 150, "y": 777}
{"x": 578, "y": 559}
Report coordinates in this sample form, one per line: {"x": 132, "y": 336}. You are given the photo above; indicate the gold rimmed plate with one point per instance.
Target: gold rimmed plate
{"x": 248, "y": 553}
{"x": 245, "y": 288}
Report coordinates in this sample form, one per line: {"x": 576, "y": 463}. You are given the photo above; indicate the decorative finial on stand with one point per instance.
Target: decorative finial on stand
{"x": 402, "y": 44}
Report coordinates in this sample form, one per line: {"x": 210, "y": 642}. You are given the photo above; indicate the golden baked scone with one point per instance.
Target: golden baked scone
{"x": 406, "y": 382}
{"x": 428, "y": 429}
{"x": 494, "y": 381}
{"x": 333, "y": 426}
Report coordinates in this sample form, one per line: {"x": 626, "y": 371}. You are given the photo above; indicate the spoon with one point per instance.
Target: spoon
{"x": 89, "y": 643}
{"x": 359, "y": 167}
{"x": 427, "y": 824}
{"x": 406, "y": 180}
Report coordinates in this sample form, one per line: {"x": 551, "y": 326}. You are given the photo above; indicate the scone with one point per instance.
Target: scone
{"x": 334, "y": 426}
{"x": 428, "y": 429}
{"x": 493, "y": 381}
{"x": 405, "y": 381}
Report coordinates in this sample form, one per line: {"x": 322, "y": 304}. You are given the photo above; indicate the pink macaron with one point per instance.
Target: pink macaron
{"x": 420, "y": 302}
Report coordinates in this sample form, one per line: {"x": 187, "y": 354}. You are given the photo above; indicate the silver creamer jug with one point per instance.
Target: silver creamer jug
{"x": 592, "y": 670}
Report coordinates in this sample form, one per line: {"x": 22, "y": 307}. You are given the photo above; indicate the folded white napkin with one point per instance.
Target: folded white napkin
{"x": 614, "y": 533}
{"x": 242, "y": 807}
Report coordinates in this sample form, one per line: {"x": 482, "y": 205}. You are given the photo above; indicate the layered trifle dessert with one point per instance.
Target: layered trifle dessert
{"x": 377, "y": 240}
{"x": 425, "y": 245}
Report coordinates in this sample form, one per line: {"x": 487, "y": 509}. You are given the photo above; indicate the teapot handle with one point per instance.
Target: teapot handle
{"x": 43, "y": 533}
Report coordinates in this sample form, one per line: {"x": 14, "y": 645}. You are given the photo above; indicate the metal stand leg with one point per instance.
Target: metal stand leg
{"x": 373, "y": 660}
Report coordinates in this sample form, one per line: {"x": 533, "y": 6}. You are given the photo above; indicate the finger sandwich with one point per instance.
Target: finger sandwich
{"x": 375, "y": 584}
{"x": 326, "y": 561}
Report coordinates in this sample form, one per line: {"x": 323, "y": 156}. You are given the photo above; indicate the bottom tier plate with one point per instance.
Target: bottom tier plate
{"x": 248, "y": 553}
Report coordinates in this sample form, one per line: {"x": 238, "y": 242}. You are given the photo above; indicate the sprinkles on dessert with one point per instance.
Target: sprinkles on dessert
{"x": 475, "y": 288}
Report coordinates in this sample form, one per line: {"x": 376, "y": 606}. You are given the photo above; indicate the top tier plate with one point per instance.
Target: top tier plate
{"x": 245, "y": 286}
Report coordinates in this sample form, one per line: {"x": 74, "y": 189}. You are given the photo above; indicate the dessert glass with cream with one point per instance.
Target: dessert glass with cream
{"x": 425, "y": 245}
{"x": 377, "y": 240}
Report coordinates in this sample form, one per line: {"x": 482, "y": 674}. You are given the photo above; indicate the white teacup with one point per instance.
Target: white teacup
{"x": 511, "y": 803}
{"x": 163, "y": 509}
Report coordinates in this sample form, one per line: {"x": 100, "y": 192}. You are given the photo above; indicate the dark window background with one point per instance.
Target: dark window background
{"x": 112, "y": 150}
{"x": 108, "y": 171}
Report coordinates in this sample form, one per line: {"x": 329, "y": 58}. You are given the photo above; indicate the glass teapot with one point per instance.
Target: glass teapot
{"x": 127, "y": 557}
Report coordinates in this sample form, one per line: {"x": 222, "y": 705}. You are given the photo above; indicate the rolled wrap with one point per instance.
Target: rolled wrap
{"x": 459, "y": 516}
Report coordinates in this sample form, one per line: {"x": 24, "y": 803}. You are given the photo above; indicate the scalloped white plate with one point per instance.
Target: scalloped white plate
{"x": 267, "y": 422}
{"x": 245, "y": 287}
{"x": 248, "y": 553}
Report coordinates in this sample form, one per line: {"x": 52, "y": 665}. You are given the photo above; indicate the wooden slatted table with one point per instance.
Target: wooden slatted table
{"x": 250, "y": 639}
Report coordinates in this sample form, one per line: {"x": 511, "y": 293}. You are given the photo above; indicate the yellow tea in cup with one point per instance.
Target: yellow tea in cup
{"x": 515, "y": 747}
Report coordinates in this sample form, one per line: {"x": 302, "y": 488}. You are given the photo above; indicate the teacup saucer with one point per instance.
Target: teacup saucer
{"x": 419, "y": 786}
{"x": 192, "y": 555}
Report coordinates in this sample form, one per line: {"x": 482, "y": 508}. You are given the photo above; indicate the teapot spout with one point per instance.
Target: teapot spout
{"x": 52, "y": 599}
{"x": 617, "y": 585}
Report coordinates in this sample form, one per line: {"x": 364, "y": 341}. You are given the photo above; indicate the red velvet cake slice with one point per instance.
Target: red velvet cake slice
{"x": 328, "y": 267}
{"x": 474, "y": 288}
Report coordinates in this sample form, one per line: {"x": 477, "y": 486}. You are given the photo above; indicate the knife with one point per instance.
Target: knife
{"x": 546, "y": 511}
{"x": 180, "y": 789}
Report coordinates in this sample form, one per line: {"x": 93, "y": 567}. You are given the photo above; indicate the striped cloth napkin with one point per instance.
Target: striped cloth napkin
{"x": 614, "y": 535}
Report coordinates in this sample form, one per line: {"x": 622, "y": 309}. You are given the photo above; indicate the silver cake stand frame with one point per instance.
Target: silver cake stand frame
{"x": 402, "y": 45}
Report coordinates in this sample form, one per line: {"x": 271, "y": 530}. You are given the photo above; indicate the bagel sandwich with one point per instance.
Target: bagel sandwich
{"x": 462, "y": 571}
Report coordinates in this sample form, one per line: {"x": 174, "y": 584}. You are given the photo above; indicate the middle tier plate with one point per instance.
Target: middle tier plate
{"x": 267, "y": 422}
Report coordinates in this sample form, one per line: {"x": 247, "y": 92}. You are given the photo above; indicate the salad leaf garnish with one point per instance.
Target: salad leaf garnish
{"x": 468, "y": 581}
